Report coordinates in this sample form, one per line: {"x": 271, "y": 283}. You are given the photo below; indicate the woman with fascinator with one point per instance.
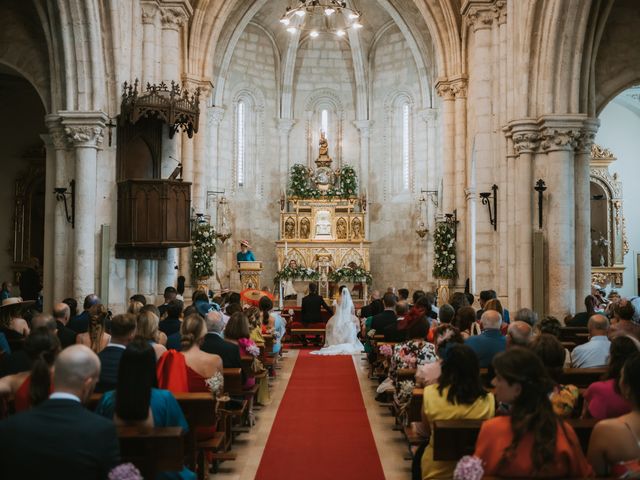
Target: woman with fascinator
{"x": 342, "y": 329}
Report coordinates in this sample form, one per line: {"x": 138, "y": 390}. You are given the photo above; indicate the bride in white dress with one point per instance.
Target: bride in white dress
{"x": 342, "y": 329}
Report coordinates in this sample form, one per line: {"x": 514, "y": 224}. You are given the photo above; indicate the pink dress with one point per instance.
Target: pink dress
{"x": 604, "y": 401}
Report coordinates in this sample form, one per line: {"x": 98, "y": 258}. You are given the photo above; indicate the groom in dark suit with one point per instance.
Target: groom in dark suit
{"x": 60, "y": 438}
{"x": 311, "y": 305}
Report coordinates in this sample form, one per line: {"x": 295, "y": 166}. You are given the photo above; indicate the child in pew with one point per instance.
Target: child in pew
{"x": 136, "y": 401}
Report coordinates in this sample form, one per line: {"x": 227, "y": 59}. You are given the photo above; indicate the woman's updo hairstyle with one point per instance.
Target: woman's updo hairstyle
{"x": 42, "y": 347}
{"x": 192, "y": 331}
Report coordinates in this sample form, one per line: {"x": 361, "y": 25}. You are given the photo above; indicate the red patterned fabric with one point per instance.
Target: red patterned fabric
{"x": 172, "y": 372}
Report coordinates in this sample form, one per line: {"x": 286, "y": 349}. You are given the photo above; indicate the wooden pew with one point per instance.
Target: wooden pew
{"x": 152, "y": 450}
{"x": 453, "y": 439}
{"x": 582, "y": 377}
{"x": 303, "y": 332}
{"x": 577, "y": 335}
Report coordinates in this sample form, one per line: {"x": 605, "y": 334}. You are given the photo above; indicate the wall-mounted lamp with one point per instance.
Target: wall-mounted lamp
{"x": 452, "y": 220}
{"x": 540, "y": 188}
{"x": 432, "y": 195}
{"x": 486, "y": 200}
{"x": 61, "y": 194}
{"x": 223, "y": 231}
{"x": 421, "y": 227}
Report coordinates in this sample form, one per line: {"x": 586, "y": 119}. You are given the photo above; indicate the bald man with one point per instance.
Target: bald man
{"x": 61, "y": 315}
{"x": 490, "y": 341}
{"x": 519, "y": 334}
{"x": 60, "y": 438}
{"x": 594, "y": 353}
{"x": 215, "y": 343}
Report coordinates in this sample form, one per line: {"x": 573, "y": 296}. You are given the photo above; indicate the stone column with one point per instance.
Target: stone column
{"x": 583, "y": 210}
{"x": 284, "y": 126}
{"x": 560, "y": 135}
{"x": 464, "y": 179}
{"x": 85, "y": 133}
{"x": 364, "y": 128}
{"x": 150, "y": 12}
{"x": 48, "y": 267}
{"x": 443, "y": 87}
{"x": 526, "y": 140}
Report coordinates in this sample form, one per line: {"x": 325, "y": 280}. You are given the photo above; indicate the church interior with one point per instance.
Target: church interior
{"x": 416, "y": 179}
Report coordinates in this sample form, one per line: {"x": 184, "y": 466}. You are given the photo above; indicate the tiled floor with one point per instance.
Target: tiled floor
{"x": 249, "y": 446}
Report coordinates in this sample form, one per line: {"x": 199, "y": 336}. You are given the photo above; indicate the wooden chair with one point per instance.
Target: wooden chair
{"x": 152, "y": 450}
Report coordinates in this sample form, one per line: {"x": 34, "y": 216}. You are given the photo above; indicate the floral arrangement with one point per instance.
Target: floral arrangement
{"x": 203, "y": 237}
{"x": 215, "y": 384}
{"x": 405, "y": 390}
{"x": 371, "y": 333}
{"x": 349, "y": 274}
{"x": 125, "y": 471}
{"x": 386, "y": 350}
{"x": 444, "y": 265}
{"x": 303, "y": 273}
{"x": 299, "y": 185}
{"x": 468, "y": 468}
{"x": 251, "y": 348}
{"x": 348, "y": 181}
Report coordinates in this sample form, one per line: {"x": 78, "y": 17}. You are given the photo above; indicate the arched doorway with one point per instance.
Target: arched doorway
{"x": 22, "y": 182}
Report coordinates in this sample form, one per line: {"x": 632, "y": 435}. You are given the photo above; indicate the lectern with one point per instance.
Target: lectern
{"x": 250, "y": 273}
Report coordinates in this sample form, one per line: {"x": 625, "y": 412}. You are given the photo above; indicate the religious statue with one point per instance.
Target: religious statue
{"x": 341, "y": 229}
{"x": 289, "y": 228}
{"x": 323, "y": 224}
{"x": 304, "y": 228}
{"x": 356, "y": 228}
{"x": 324, "y": 145}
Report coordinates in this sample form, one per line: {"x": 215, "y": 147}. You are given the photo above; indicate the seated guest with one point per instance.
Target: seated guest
{"x": 387, "y": 317}
{"x": 563, "y": 397}
{"x": 528, "y": 316}
{"x": 458, "y": 300}
{"x": 483, "y": 298}
{"x": 80, "y": 323}
{"x": 594, "y": 353}
{"x": 60, "y": 438}
{"x": 215, "y": 344}
{"x": 458, "y": 395}
{"x": 403, "y": 295}
{"x": 410, "y": 354}
{"x": 433, "y": 314}
{"x": 170, "y": 294}
{"x": 138, "y": 297}
{"x": 20, "y": 360}
{"x": 137, "y": 402}
{"x": 532, "y": 441}
{"x": 415, "y": 296}
{"x": 622, "y": 322}
{"x": 12, "y": 324}
{"x": 147, "y": 329}
{"x": 446, "y": 313}
{"x": 30, "y": 388}
{"x": 465, "y": 321}
{"x": 4, "y": 344}
{"x": 445, "y": 337}
{"x": 96, "y": 336}
{"x": 552, "y": 326}
{"x": 374, "y": 307}
{"x": 397, "y": 331}
{"x": 237, "y": 332}
{"x": 135, "y": 308}
{"x": 123, "y": 330}
{"x": 604, "y": 399}
{"x": 255, "y": 324}
{"x": 174, "y": 341}
{"x": 581, "y": 319}
{"x": 171, "y": 324}
{"x": 62, "y": 314}
{"x": 490, "y": 341}
{"x": 311, "y": 305}
{"x": 190, "y": 370}
{"x": 614, "y": 445}
{"x": 73, "y": 306}
{"x": 272, "y": 323}
{"x": 519, "y": 334}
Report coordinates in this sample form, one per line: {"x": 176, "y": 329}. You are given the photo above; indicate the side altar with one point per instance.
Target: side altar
{"x": 323, "y": 230}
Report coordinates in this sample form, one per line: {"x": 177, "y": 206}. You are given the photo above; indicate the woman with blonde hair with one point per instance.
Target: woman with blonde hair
{"x": 255, "y": 325}
{"x": 135, "y": 307}
{"x": 96, "y": 337}
{"x": 147, "y": 329}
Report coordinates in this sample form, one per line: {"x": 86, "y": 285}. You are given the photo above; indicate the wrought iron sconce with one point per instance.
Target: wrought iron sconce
{"x": 452, "y": 220}
{"x": 421, "y": 228}
{"x": 487, "y": 198}
{"x": 61, "y": 194}
{"x": 540, "y": 188}
{"x": 223, "y": 232}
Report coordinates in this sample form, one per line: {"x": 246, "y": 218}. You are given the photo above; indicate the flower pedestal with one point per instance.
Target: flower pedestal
{"x": 443, "y": 290}
{"x": 203, "y": 284}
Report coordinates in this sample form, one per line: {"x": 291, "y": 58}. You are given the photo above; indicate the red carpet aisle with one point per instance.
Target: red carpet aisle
{"x": 321, "y": 430}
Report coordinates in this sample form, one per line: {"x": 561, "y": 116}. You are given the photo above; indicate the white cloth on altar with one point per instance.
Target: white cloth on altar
{"x": 341, "y": 334}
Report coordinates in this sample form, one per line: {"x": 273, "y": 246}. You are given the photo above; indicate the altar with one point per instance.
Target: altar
{"x": 323, "y": 231}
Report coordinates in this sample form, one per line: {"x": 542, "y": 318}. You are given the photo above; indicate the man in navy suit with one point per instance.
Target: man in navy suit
{"x": 80, "y": 323}
{"x": 215, "y": 343}
{"x": 123, "y": 329}
{"x": 60, "y": 438}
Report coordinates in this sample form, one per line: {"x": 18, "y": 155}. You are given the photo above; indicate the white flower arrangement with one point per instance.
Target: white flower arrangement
{"x": 203, "y": 237}
{"x": 444, "y": 265}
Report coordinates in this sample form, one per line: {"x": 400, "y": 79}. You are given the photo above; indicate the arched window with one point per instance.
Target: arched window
{"x": 406, "y": 145}
{"x": 324, "y": 121}
{"x": 241, "y": 142}
{"x": 399, "y": 143}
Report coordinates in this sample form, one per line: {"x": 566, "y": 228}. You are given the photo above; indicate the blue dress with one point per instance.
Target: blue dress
{"x": 280, "y": 327}
{"x": 166, "y": 413}
{"x": 245, "y": 257}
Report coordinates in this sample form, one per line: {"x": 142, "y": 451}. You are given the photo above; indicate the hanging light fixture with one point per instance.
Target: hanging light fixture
{"x": 331, "y": 16}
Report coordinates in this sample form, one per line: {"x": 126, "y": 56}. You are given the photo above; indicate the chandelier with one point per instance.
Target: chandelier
{"x": 317, "y": 16}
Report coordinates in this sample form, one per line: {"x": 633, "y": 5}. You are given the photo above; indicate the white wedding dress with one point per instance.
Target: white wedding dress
{"x": 342, "y": 330}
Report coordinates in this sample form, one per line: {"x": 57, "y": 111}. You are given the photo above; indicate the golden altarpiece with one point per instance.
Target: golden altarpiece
{"x": 323, "y": 229}
{"x": 608, "y": 233}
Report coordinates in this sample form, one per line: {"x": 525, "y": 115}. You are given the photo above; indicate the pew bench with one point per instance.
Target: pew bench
{"x": 152, "y": 450}
{"x": 300, "y": 333}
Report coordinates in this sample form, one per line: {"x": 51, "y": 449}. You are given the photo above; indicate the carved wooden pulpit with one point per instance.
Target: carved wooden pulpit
{"x": 250, "y": 273}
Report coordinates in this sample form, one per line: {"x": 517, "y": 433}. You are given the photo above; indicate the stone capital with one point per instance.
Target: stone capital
{"x": 149, "y": 10}
{"x": 452, "y": 88}
{"x": 563, "y": 132}
{"x": 429, "y": 115}
{"x": 84, "y": 129}
{"x": 284, "y": 125}
{"x": 479, "y": 14}
{"x": 525, "y": 134}
{"x": 175, "y": 13}
{"x": 215, "y": 116}
{"x": 56, "y": 135}
{"x": 364, "y": 127}
{"x": 588, "y": 136}
{"x": 192, "y": 82}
